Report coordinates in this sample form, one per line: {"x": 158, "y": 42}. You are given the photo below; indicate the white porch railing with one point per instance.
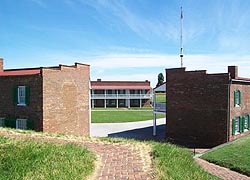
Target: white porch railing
{"x": 121, "y": 96}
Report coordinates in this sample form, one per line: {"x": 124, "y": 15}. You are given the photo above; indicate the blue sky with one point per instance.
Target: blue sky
{"x": 126, "y": 39}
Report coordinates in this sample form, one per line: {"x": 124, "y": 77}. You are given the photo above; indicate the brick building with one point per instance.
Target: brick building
{"x": 48, "y": 99}
{"x": 120, "y": 93}
{"x": 206, "y": 110}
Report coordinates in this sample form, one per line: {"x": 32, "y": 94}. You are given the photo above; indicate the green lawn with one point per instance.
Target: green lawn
{"x": 22, "y": 159}
{"x": 113, "y": 115}
{"x": 160, "y": 97}
{"x": 174, "y": 163}
{"x": 235, "y": 156}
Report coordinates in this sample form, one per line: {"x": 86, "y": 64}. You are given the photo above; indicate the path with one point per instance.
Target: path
{"x": 141, "y": 130}
{"x": 122, "y": 161}
{"x": 220, "y": 172}
{"x": 117, "y": 161}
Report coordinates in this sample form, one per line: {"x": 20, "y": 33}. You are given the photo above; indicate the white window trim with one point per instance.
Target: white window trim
{"x": 238, "y": 98}
{"x": 237, "y": 130}
{"x": 18, "y": 96}
{"x": 25, "y": 120}
{"x": 246, "y": 120}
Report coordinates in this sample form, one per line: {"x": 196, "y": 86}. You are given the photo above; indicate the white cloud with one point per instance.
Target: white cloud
{"x": 162, "y": 60}
{"x": 145, "y": 27}
{"x": 132, "y": 61}
{"x": 156, "y": 63}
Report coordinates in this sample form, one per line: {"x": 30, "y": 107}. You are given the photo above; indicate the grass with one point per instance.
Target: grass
{"x": 22, "y": 159}
{"x": 113, "y": 115}
{"x": 234, "y": 156}
{"x": 174, "y": 163}
{"x": 160, "y": 97}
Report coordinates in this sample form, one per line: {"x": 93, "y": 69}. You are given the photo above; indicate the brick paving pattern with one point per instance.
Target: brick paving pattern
{"x": 122, "y": 161}
{"x": 220, "y": 172}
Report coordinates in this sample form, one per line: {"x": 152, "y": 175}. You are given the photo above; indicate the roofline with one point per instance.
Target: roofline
{"x": 122, "y": 81}
{"x": 240, "y": 81}
{"x": 160, "y": 85}
{"x": 22, "y": 69}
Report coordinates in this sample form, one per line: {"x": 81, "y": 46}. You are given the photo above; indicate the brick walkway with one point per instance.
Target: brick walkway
{"x": 122, "y": 161}
{"x": 221, "y": 172}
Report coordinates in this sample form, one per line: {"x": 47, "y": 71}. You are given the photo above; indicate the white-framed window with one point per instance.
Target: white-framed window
{"x": 2, "y": 122}
{"x": 237, "y": 98}
{"x": 246, "y": 125}
{"x": 237, "y": 125}
{"x": 21, "y": 123}
{"x": 21, "y": 95}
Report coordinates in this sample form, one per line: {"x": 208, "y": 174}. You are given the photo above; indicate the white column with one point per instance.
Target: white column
{"x": 117, "y": 100}
{"x": 140, "y": 98}
{"x": 128, "y": 94}
{"x": 105, "y": 98}
{"x": 93, "y": 101}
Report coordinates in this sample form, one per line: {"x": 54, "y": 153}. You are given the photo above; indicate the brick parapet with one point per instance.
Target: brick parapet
{"x": 66, "y": 100}
{"x": 197, "y": 107}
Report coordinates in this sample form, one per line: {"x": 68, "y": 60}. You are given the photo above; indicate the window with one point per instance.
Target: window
{"x": 236, "y": 125}
{"x": 240, "y": 124}
{"x": 21, "y": 95}
{"x": 246, "y": 123}
{"x": 21, "y": 123}
{"x": 2, "y": 122}
{"x": 237, "y": 98}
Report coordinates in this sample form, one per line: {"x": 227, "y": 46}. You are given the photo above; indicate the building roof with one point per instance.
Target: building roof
{"x": 36, "y": 70}
{"x": 120, "y": 84}
{"x": 20, "y": 72}
{"x": 162, "y": 87}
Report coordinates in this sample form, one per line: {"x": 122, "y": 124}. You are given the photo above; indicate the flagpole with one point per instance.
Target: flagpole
{"x": 181, "y": 45}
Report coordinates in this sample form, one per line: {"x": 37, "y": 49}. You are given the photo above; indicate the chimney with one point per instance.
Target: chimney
{"x": 233, "y": 70}
{"x": 1, "y": 64}
{"x": 99, "y": 80}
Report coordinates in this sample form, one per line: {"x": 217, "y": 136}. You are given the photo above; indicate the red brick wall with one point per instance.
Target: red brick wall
{"x": 66, "y": 100}
{"x": 242, "y": 110}
{"x": 197, "y": 107}
{"x": 34, "y": 110}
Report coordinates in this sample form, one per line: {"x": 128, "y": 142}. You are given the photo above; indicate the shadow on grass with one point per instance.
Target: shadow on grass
{"x": 142, "y": 134}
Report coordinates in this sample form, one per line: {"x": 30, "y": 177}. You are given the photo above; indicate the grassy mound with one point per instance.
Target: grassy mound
{"x": 27, "y": 159}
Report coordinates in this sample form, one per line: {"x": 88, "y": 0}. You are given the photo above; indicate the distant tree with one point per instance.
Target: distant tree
{"x": 160, "y": 79}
